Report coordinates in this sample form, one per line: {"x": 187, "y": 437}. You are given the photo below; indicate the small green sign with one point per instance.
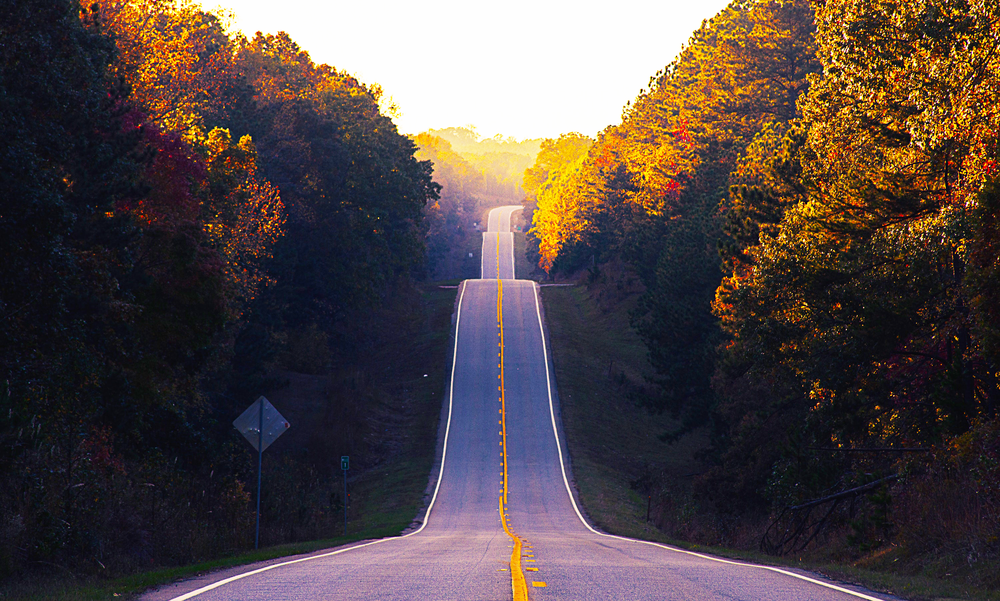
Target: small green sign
{"x": 344, "y": 461}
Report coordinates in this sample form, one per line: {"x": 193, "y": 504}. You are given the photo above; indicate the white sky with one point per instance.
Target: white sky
{"x": 522, "y": 68}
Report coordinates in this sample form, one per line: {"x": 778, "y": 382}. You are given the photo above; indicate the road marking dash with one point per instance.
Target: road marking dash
{"x": 518, "y": 586}
{"x": 537, "y": 584}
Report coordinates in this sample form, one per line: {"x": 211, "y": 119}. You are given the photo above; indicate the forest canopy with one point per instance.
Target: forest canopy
{"x": 474, "y": 174}
{"x": 808, "y": 197}
{"x": 182, "y": 211}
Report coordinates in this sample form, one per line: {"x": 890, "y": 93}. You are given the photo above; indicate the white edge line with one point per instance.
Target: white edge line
{"x": 444, "y": 452}
{"x": 513, "y": 275}
{"x": 482, "y": 259}
{"x": 569, "y": 492}
{"x": 513, "y": 272}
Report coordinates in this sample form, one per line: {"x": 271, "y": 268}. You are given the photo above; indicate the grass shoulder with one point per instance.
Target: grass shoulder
{"x": 601, "y": 374}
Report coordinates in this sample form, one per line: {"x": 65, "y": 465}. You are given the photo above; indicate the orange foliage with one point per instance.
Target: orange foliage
{"x": 247, "y": 222}
{"x": 174, "y": 57}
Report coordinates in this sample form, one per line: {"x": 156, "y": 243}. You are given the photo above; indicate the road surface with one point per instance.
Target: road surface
{"x": 498, "y": 245}
{"x": 501, "y": 441}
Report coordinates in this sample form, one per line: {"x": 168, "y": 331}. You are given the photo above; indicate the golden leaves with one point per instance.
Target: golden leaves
{"x": 172, "y": 55}
{"x": 250, "y": 219}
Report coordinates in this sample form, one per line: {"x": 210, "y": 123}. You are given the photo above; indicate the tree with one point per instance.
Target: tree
{"x": 853, "y": 299}
{"x": 146, "y": 277}
{"x": 69, "y": 158}
{"x": 650, "y": 189}
{"x": 351, "y": 186}
{"x": 552, "y": 202}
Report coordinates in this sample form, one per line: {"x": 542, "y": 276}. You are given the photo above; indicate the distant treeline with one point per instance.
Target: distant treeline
{"x": 183, "y": 211}
{"x": 474, "y": 174}
{"x": 809, "y": 197}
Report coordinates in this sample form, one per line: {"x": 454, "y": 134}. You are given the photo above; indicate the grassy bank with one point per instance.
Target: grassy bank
{"x": 130, "y": 587}
{"x": 621, "y": 467}
{"x": 402, "y": 383}
{"x": 523, "y": 269}
{"x": 601, "y": 370}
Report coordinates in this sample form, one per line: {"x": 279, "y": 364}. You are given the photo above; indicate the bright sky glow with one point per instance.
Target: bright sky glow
{"x": 522, "y": 68}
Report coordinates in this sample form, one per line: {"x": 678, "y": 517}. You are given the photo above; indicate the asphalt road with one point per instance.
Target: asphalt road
{"x": 502, "y": 436}
{"x": 498, "y": 243}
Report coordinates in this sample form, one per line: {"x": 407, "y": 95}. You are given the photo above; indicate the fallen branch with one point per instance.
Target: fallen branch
{"x": 798, "y": 524}
{"x": 873, "y": 449}
{"x": 851, "y": 492}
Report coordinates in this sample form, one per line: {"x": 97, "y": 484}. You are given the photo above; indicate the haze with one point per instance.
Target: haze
{"x": 521, "y": 68}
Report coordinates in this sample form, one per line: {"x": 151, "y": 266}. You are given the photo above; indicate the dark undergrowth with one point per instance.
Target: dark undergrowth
{"x": 382, "y": 410}
{"x": 932, "y": 534}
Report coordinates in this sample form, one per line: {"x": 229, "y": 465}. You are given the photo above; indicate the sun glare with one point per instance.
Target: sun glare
{"x": 523, "y": 69}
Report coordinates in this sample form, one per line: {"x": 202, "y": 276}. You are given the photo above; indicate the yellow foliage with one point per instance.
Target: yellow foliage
{"x": 173, "y": 56}
{"x": 250, "y": 219}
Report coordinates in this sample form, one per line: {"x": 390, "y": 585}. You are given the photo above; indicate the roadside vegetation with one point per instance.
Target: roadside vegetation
{"x": 601, "y": 374}
{"x": 396, "y": 419}
{"x": 190, "y": 219}
{"x": 622, "y": 469}
{"x": 807, "y": 198}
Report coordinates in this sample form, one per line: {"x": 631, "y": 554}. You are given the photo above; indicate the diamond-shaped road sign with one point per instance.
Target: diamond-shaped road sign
{"x": 274, "y": 425}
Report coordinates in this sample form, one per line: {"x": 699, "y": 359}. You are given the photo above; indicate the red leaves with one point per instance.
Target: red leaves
{"x": 606, "y": 159}
{"x": 170, "y": 176}
{"x": 681, "y": 134}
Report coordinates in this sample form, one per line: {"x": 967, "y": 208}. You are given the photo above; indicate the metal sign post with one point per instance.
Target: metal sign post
{"x": 260, "y": 468}
{"x": 344, "y": 464}
{"x": 260, "y": 424}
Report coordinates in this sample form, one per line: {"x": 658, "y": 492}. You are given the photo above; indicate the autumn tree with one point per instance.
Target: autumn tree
{"x": 552, "y": 204}
{"x": 650, "y": 188}
{"x": 854, "y": 292}
{"x": 353, "y": 190}
{"x": 176, "y": 59}
{"x": 145, "y": 250}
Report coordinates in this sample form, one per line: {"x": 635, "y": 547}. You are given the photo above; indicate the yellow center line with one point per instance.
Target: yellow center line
{"x": 518, "y": 584}
{"x": 503, "y": 399}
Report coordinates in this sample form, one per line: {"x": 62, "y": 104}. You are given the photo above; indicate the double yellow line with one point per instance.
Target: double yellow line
{"x": 517, "y": 582}
{"x": 503, "y": 396}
